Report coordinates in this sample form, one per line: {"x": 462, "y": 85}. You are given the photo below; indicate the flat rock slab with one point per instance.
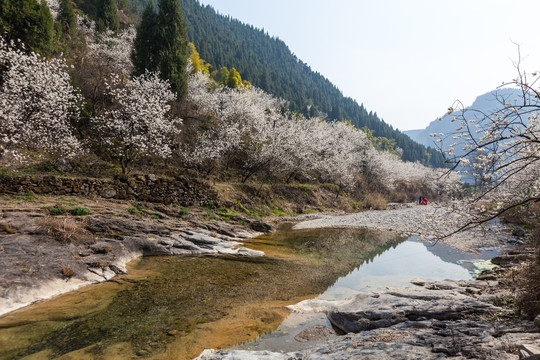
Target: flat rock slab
{"x": 34, "y": 266}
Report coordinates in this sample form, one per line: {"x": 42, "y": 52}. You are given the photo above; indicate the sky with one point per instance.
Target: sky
{"x": 406, "y": 60}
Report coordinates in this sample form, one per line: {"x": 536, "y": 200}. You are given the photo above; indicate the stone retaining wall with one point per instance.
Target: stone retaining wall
{"x": 149, "y": 188}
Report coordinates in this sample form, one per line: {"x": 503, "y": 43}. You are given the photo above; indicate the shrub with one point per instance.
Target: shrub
{"x": 136, "y": 208}
{"x": 80, "y": 211}
{"x": 57, "y": 210}
{"x": 528, "y": 300}
{"x": 374, "y": 201}
{"x": 66, "y": 230}
{"x": 67, "y": 271}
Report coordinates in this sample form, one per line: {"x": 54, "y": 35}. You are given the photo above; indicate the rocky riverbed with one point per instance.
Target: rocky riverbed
{"x": 428, "y": 220}
{"x": 428, "y": 320}
{"x": 42, "y": 256}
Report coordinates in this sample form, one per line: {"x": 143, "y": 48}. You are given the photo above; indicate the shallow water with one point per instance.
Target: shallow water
{"x": 173, "y": 308}
{"x": 395, "y": 267}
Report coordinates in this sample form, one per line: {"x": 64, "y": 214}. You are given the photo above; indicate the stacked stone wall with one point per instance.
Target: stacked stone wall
{"x": 180, "y": 190}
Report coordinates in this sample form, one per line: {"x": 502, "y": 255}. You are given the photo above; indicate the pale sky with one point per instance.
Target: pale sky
{"x": 408, "y": 60}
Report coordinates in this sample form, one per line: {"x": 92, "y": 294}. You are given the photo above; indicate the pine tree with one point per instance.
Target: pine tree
{"x": 173, "y": 45}
{"x": 29, "y": 21}
{"x": 162, "y": 45}
{"x": 67, "y": 19}
{"x": 107, "y": 16}
{"x": 145, "y": 50}
{"x": 5, "y": 10}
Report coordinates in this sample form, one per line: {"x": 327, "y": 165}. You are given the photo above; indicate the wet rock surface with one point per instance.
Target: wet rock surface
{"x": 36, "y": 264}
{"x": 432, "y": 320}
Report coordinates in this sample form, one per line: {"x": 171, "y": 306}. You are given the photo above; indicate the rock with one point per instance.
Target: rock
{"x": 116, "y": 269}
{"x": 260, "y": 226}
{"x": 487, "y": 277}
{"x": 514, "y": 241}
{"x": 107, "y": 193}
{"x": 503, "y": 260}
{"x": 405, "y": 305}
{"x": 63, "y": 165}
{"x": 150, "y": 177}
{"x": 518, "y": 232}
{"x": 529, "y": 352}
{"x": 317, "y": 332}
{"x": 124, "y": 178}
{"x": 245, "y": 355}
{"x": 537, "y": 321}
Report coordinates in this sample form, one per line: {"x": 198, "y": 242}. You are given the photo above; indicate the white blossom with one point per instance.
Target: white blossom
{"x": 138, "y": 124}
{"x": 37, "y": 102}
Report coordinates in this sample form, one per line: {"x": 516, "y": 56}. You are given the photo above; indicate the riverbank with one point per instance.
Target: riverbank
{"x": 428, "y": 220}
{"x": 429, "y": 319}
{"x": 43, "y": 255}
{"x": 35, "y": 248}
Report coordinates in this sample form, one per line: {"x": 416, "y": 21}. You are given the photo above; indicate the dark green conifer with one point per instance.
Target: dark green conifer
{"x": 29, "y": 21}
{"x": 107, "y": 16}
{"x": 145, "y": 50}
{"x": 173, "y": 45}
{"x": 161, "y": 44}
{"x": 67, "y": 19}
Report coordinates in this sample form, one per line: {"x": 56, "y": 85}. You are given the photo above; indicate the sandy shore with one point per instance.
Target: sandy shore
{"x": 431, "y": 221}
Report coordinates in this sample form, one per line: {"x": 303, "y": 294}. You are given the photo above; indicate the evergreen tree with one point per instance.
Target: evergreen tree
{"x": 5, "y": 10}
{"x": 173, "y": 45}
{"x": 67, "y": 19}
{"x": 162, "y": 44}
{"x": 107, "y": 16}
{"x": 145, "y": 47}
{"x": 29, "y": 21}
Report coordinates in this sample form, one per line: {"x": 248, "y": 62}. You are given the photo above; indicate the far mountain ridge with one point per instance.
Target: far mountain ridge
{"x": 487, "y": 103}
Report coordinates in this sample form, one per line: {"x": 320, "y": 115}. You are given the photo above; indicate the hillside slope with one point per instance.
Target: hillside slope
{"x": 269, "y": 64}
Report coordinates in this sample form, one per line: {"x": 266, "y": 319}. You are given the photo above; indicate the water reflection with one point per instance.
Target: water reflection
{"x": 173, "y": 308}
{"x": 393, "y": 266}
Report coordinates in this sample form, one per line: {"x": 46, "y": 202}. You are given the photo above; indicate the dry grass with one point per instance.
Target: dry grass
{"x": 374, "y": 201}
{"x": 67, "y": 271}
{"x": 5, "y": 227}
{"x": 66, "y": 229}
{"x": 528, "y": 300}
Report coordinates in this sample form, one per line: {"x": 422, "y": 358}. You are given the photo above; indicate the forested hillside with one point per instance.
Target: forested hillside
{"x": 268, "y": 63}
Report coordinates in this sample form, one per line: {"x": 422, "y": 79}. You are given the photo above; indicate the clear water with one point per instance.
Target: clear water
{"x": 395, "y": 267}
{"x": 173, "y": 308}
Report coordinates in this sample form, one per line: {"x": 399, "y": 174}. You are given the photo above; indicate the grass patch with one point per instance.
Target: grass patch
{"x": 210, "y": 214}
{"x": 137, "y": 209}
{"x": 66, "y": 230}
{"x": 80, "y": 211}
{"x": 57, "y": 210}
{"x": 26, "y": 197}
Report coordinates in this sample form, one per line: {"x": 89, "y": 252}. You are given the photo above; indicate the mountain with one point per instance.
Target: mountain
{"x": 487, "y": 103}
{"x": 268, "y": 63}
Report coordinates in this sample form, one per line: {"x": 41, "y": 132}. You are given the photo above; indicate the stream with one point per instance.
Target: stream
{"x": 174, "y": 307}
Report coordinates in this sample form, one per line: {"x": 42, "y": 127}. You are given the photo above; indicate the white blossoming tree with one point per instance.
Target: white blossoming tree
{"x": 503, "y": 150}
{"x": 37, "y": 102}
{"x": 138, "y": 123}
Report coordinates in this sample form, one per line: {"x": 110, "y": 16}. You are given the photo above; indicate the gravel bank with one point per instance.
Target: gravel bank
{"x": 432, "y": 221}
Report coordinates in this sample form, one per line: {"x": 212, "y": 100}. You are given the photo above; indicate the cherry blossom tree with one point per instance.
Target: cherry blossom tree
{"x": 37, "y": 102}
{"x": 112, "y": 51}
{"x": 138, "y": 123}
{"x": 502, "y": 149}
